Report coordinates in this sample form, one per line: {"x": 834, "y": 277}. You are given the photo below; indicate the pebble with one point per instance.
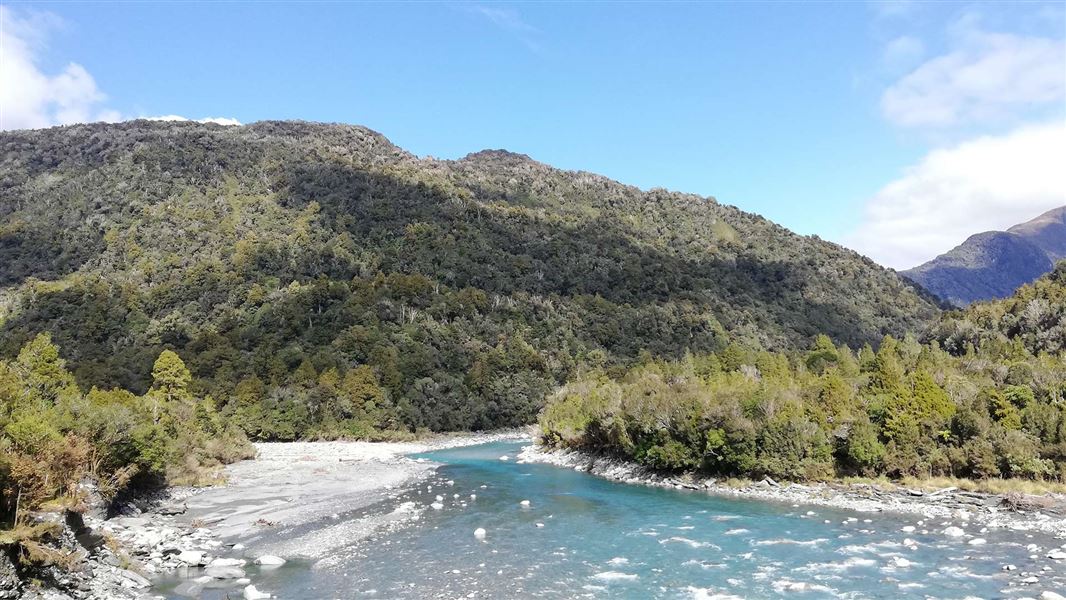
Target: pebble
{"x": 269, "y": 560}
{"x": 250, "y": 593}
{"x": 479, "y": 533}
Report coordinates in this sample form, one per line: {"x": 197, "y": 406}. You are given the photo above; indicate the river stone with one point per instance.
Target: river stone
{"x": 130, "y": 521}
{"x": 1056, "y": 555}
{"x": 135, "y": 579}
{"x": 224, "y": 572}
{"x": 250, "y": 593}
{"x": 479, "y": 533}
{"x": 954, "y": 532}
{"x": 190, "y": 589}
{"x": 192, "y": 557}
{"x": 1051, "y": 596}
{"x": 269, "y": 560}
{"x": 227, "y": 562}
{"x": 173, "y": 510}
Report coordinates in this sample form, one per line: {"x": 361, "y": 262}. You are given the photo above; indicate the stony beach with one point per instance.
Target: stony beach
{"x": 222, "y": 537}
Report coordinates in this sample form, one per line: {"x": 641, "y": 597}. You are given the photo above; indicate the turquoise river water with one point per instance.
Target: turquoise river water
{"x": 600, "y": 539}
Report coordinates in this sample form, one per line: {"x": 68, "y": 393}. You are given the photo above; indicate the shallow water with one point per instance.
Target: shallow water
{"x": 601, "y": 539}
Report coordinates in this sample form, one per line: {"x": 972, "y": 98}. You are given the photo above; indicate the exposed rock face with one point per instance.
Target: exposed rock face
{"x": 10, "y": 585}
{"x": 995, "y": 263}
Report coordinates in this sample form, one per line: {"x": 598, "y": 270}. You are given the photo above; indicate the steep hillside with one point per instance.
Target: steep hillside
{"x": 993, "y": 264}
{"x": 1035, "y": 316}
{"x": 316, "y": 276}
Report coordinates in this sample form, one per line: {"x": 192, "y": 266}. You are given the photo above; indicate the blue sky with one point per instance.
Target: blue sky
{"x": 827, "y": 118}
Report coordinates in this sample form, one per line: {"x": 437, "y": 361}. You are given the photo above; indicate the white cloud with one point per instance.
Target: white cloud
{"x": 989, "y": 183}
{"x": 984, "y": 76}
{"x": 30, "y": 98}
{"x": 903, "y": 52}
{"x": 215, "y": 120}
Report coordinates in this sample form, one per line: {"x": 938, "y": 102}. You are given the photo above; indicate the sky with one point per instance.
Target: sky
{"x": 895, "y": 128}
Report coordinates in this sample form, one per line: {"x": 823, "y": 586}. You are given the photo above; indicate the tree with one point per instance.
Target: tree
{"x": 170, "y": 377}
{"x": 822, "y": 355}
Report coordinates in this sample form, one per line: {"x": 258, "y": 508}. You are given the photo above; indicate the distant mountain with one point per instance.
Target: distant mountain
{"x": 993, "y": 264}
{"x": 1048, "y": 232}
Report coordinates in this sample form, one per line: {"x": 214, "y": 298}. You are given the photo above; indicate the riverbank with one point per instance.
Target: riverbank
{"x": 969, "y": 514}
{"x": 214, "y": 538}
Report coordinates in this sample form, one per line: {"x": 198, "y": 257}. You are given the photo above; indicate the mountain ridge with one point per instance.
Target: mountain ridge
{"x": 993, "y": 264}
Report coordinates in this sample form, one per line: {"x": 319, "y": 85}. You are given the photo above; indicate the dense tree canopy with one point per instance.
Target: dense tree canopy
{"x": 319, "y": 281}
{"x": 991, "y": 404}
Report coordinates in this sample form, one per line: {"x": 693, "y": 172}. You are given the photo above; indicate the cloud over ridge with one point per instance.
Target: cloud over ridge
{"x": 989, "y": 183}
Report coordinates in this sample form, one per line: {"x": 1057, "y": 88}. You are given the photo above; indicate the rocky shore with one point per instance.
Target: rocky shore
{"x": 226, "y": 537}
{"x": 960, "y": 509}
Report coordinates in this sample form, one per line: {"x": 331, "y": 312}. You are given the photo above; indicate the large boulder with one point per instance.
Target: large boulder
{"x": 224, "y": 572}
{"x": 193, "y": 558}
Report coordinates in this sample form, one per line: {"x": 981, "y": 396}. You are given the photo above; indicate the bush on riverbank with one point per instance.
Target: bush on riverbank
{"x": 908, "y": 409}
{"x": 55, "y": 440}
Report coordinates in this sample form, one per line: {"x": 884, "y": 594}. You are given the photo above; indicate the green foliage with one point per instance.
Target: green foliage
{"x": 53, "y": 436}
{"x": 170, "y": 376}
{"x": 1034, "y": 317}
{"x": 471, "y": 288}
{"x": 908, "y": 410}
{"x": 863, "y": 449}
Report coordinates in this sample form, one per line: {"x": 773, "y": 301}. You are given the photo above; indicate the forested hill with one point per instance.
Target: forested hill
{"x": 316, "y": 278}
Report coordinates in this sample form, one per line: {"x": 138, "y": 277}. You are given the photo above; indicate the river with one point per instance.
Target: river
{"x": 581, "y": 536}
